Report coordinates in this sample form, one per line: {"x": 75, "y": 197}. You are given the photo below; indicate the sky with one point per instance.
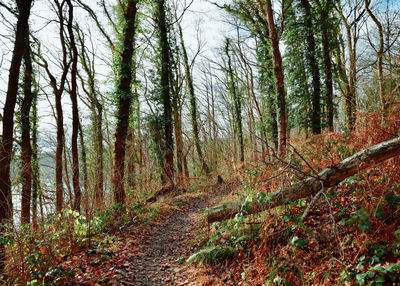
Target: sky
{"x": 212, "y": 25}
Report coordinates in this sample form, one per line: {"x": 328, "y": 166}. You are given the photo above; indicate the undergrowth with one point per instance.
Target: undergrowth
{"x": 351, "y": 235}
{"x": 45, "y": 252}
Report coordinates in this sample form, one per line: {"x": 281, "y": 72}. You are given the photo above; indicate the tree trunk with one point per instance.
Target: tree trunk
{"x": 350, "y": 95}
{"x": 25, "y": 139}
{"x": 328, "y": 78}
{"x": 59, "y": 153}
{"x": 380, "y": 55}
{"x": 75, "y": 115}
{"x": 326, "y": 54}
{"x": 269, "y": 90}
{"x": 124, "y": 95}
{"x": 165, "y": 88}
{"x": 20, "y": 46}
{"x": 237, "y": 104}
{"x": 278, "y": 69}
{"x": 314, "y": 69}
{"x": 85, "y": 170}
{"x": 185, "y": 163}
{"x": 179, "y": 139}
{"x": 35, "y": 159}
{"x": 273, "y": 122}
{"x": 327, "y": 178}
{"x": 132, "y": 138}
{"x": 66, "y": 173}
{"x": 98, "y": 192}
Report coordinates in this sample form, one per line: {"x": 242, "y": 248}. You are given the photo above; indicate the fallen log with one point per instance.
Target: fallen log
{"x": 311, "y": 185}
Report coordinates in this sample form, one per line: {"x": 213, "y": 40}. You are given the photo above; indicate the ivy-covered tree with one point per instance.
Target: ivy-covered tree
{"x": 249, "y": 13}
{"x": 268, "y": 13}
{"x": 26, "y": 148}
{"x": 165, "y": 73}
{"x": 123, "y": 93}
{"x": 35, "y": 161}
{"x": 297, "y": 76}
{"x": 328, "y": 28}
{"x": 235, "y": 95}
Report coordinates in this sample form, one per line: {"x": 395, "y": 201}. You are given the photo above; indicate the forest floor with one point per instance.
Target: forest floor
{"x": 154, "y": 254}
{"x": 350, "y": 235}
{"x": 158, "y": 258}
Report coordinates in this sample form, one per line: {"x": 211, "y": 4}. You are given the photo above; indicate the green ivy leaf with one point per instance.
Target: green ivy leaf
{"x": 364, "y": 226}
{"x": 361, "y": 277}
{"x": 380, "y": 252}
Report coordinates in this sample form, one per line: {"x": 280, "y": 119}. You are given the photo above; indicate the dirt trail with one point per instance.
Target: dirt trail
{"x": 157, "y": 259}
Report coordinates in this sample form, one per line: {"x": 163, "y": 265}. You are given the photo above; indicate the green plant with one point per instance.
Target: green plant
{"x": 371, "y": 270}
{"x": 212, "y": 254}
{"x": 360, "y": 218}
{"x": 396, "y": 245}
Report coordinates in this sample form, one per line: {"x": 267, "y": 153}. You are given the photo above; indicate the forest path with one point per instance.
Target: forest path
{"x": 157, "y": 259}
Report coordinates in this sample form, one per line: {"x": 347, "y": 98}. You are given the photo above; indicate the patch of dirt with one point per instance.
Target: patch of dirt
{"x": 159, "y": 258}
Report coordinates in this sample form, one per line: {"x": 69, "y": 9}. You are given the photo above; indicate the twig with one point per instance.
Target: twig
{"x": 341, "y": 251}
{"x": 275, "y": 176}
{"x": 314, "y": 199}
{"x": 304, "y": 160}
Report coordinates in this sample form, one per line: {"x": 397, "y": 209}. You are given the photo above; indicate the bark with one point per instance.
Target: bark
{"x": 99, "y": 185}
{"x": 251, "y": 123}
{"x": 345, "y": 88}
{"x": 193, "y": 104}
{"x": 85, "y": 170}
{"x": 59, "y": 152}
{"x": 379, "y": 53}
{"x": 326, "y": 54}
{"x": 177, "y": 103}
{"x": 214, "y": 123}
{"x": 75, "y": 115}
{"x": 131, "y": 158}
{"x": 273, "y": 122}
{"x": 327, "y": 178}
{"x": 350, "y": 95}
{"x": 269, "y": 88}
{"x": 211, "y": 152}
{"x": 132, "y": 140}
{"x": 328, "y": 78}
{"x": 124, "y": 95}
{"x": 185, "y": 163}
{"x": 20, "y": 45}
{"x": 278, "y": 69}
{"x": 26, "y": 148}
{"x": 161, "y": 22}
{"x": 179, "y": 139}
{"x": 35, "y": 159}
{"x": 237, "y": 105}
{"x": 66, "y": 180}
{"x": 314, "y": 69}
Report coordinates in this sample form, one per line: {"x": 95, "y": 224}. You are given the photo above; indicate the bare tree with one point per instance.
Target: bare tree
{"x": 20, "y": 47}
